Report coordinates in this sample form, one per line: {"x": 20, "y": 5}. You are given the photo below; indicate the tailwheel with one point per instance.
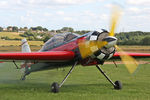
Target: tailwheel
{"x": 55, "y": 87}
{"x": 118, "y": 85}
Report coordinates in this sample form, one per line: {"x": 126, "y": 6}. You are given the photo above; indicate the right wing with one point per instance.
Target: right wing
{"x": 51, "y": 56}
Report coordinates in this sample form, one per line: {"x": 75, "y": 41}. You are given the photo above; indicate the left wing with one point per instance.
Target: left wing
{"x": 40, "y": 56}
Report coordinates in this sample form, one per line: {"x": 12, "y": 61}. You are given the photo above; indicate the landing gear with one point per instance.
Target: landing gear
{"x": 117, "y": 85}
{"x": 25, "y": 71}
{"x": 55, "y": 86}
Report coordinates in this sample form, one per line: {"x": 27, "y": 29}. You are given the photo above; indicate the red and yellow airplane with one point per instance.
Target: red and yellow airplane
{"x": 64, "y": 49}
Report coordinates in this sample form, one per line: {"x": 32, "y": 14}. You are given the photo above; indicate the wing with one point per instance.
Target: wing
{"x": 135, "y": 55}
{"x": 39, "y": 56}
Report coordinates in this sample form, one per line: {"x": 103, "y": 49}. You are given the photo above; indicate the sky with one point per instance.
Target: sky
{"x": 78, "y": 14}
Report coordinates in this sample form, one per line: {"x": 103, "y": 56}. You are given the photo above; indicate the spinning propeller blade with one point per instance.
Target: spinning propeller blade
{"x": 130, "y": 63}
{"x": 114, "y": 19}
{"x": 87, "y": 48}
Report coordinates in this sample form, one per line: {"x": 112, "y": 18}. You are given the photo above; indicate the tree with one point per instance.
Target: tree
{"x": 1, "y": 29}
{"x": 45, "y": 29}
{"x": 39, "y": 28}
{"x": 25, "y": 28}
{"x": 9, "y": 28}
{"x": 145, "y": 41}
{"x": 67, "y": 29}
{"x": 46, "y": 37}
{"x": 15, "y": 29}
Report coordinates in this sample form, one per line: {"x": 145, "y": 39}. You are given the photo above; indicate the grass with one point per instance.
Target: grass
{"x": 11, "y": 35}
{"x": 136, "y": 48}
{"x": 85, "y": 83}
{"x": 14, "y": 35}
{"x": 18, "y": 48}
{"x": 18, "y": 43}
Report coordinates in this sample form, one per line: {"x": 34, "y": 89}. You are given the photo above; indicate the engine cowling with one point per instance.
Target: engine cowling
{"x": 108, "y": 50}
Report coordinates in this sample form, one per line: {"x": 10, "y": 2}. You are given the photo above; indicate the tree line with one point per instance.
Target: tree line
{"x": 133, "y": 38}
{"x": 43, "y": 34}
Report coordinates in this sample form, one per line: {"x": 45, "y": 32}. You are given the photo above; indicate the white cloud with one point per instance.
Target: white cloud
{"x": 139, "y": 2}
{"x": 47, "y": 14}
{"x": 60, "y": 12}
{"x": 48, "y": 3}
{"x": 134, "y": 10}
{"x": 68, "y": 19}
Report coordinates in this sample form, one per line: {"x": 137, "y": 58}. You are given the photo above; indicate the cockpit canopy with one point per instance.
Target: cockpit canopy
{"x": 59, "y": 39}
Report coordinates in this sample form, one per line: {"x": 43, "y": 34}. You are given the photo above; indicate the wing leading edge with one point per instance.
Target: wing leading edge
{"x": 49, "y": 56}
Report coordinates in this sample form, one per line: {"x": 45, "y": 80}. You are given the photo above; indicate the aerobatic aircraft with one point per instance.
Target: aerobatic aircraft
{"x": 64, "y": 49}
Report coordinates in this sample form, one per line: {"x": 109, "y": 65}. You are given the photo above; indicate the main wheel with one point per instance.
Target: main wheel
{"x": 118, "y": 85}
{"x": 55, "y": 87}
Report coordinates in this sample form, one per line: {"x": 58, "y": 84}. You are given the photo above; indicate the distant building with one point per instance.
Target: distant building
{"x": 21, "y": 31}
{"x": 9, "y": 28}
{"x": 39, "y": 37}
{"x": 4, "y": 29}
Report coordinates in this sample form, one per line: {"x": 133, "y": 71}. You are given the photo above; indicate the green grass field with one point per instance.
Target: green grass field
{"x": 18, "y": 43}
{"x": 85, "y": 83}
{"x": 11, "y": 35}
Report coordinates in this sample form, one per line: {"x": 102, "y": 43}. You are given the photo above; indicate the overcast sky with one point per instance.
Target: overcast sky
{"x": 78, "y": 14}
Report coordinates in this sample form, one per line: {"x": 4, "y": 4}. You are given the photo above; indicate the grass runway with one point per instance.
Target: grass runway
{"x": 85, "y": 83}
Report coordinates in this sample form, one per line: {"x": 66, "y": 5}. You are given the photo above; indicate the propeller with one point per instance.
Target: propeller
{"x": 130, "y": 63}
{"x": 87, "y": 48}
{"x": 116, "y": 13}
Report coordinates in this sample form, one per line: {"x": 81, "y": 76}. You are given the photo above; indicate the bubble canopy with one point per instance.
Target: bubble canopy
{"x": 59, "y": 39}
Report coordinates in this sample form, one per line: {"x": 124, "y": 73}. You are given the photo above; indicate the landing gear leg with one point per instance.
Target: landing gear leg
{"x": 117, "y": 85}
{"x": 55, "y": 86}
{"x": 24, "y": 72}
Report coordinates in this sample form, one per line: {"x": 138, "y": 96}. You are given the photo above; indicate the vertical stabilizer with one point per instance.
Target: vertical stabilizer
{"x": 25, "y": 64}
{"x": 25, "y": 46}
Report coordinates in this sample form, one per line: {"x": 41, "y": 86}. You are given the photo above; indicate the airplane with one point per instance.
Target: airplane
{"x": 71, "y": 49}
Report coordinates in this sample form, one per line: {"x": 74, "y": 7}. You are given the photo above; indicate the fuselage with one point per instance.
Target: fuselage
{"x": 70, "y": 42}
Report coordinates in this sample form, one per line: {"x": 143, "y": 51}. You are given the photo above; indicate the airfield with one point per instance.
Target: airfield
{"x": 85, "y": 83}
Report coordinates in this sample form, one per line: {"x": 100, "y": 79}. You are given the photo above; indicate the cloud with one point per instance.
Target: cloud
{"x": 133, "y": 10}
{"x": 48, "y": 3}
{"x": 60, "y": 12}
{"x": 68, "y": 18}
{"x": 139, "y": 2}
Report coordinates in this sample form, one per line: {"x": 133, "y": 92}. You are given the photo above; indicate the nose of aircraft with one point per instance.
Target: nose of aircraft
{"x": 111, "y": 41}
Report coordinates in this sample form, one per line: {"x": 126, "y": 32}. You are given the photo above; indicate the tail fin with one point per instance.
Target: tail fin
{"x": 25, "y": 46}
{"x": 25, "y": 64}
